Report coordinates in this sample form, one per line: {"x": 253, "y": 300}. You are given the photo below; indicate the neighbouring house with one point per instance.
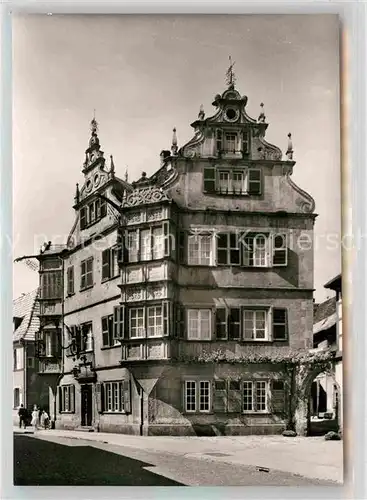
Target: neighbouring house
{"x": 327, "y": 388}
{"x": 28, "y": 389}
{"x": 173, "y": 294}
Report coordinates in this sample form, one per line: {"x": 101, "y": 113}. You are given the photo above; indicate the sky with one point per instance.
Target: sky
{"x": 144, "y": 75}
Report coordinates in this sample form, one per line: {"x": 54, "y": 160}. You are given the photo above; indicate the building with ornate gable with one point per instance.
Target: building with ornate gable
{"x": 178, "y": 289}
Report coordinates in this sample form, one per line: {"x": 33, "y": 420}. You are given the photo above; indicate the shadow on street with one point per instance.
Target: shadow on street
{"x": 40, "y": 463}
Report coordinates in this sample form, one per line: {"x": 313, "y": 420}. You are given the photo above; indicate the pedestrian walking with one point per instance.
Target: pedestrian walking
{"x": 35, "y": 418}
{"x": 45, "y": 420}
{"x": 22, "y": 413}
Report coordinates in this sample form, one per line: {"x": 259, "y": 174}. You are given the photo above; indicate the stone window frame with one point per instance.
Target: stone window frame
{"x": 201, "y": 241}
{"x": 199, "y": 310}
{"x": 265, "y": 395}
{"x": 67, "y": 398}
{"x": 197, "y": 391}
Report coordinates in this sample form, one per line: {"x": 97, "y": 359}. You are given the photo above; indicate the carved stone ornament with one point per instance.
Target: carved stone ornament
{"x": 144, "y": 196}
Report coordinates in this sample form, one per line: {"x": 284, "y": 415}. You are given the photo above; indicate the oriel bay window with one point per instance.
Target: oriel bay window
{"x": 197, "y": 396}
{"x": 51, "y": 285}
{"x": 149, "y": 243}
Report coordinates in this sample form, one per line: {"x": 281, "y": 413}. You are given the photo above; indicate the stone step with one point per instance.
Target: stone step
{"x": 85, "y": 429}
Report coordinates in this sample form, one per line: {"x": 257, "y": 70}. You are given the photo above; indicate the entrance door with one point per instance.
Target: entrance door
{"x": 86, "y": 405}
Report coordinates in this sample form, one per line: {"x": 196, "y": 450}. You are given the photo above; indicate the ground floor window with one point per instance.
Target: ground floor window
{"x": 255, "y": 396}
{"x": 115, "y": 396}
{"x": 67, "y": 398}
{"x": 197, "y": 396}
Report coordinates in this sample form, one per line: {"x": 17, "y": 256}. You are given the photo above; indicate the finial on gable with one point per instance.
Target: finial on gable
{"x": 201, "y": 114}
{"x": 289, "y": 152}
{"x": 112, "y": 166}
{"x": 174, "y": 147}
{"x": 230, "y": 75}
{"x": 126, "y": 175}
{"x": 262, "y": 116}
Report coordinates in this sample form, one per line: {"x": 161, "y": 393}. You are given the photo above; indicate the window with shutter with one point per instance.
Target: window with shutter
{"x": 119, "y": 322}
{"x": 105, "y": 332}
{"x": 254, "y": 181}
{"x": 106, "y": 264}
{"x": 83, "y": 217}
{"x": 221, "y": 323}
{"x": 70, "y": 280}
{"x": 280, "y": 324}
{"x": 199, "y": 324}
{"x": 72, "y": 398}
{"x": 246, "y": 142}
{"x": 59, "y": 392}
{"x": 280, "y": 250}
{"x": 234, "y": 396}
{"x": 234, "y": 324}
{"x": 255, "y": 324}
{"x": 219, "y": 140}
{"x": 167, "y": 318}
{"x": 220, "y": 396}
{"x": 209, "y": 180}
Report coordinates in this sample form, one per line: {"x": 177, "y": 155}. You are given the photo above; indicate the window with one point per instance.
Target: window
{"x": 109, "y": 263}
{"x": 280, "y": 324}
{"x": 221, "y": 323}
{"x": 230, "y": 144}
{"x": 18, "y": 358}
{"x": 70, "y": 280}
{"x": 228, "y": 249}
{"x": 92, "y": 212}
{"x": 132, "y": 246}
{"x": 119, "y": 322}
{"x": 67, "y": 398}
{"x": 16, "y": 397}
{"x": 136, "y": 317}
{"x": 86, "y": 275}
{"x": 239, "y": 181}
{"x": 255, "y": 325}
{"x": 51, "y": 285}
{"x": 255, "y": 396}
{"x": 199, "y": 324}
{"x": 146, "y": 245}
{"x": 255, "y": 250}
{"x": 155, "y": 321}
{"x": 280, "y": 251}
{"x": 158, "y": 243}
{"x": 116, "y": 396}
{"x": 224, "y": 181}
{"x": 108, "y": 339}
{"x": 200, "y": 249}
{"x": 197, "y": 396}
{"x": 50, "y": 343}
{"x": 86, "y": 337}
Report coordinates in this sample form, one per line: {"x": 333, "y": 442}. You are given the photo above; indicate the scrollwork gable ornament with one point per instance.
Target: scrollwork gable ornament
{"x": 144, "y": 196}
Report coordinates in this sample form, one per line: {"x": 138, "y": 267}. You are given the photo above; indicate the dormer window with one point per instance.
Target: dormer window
{"x": 231, "y": 142}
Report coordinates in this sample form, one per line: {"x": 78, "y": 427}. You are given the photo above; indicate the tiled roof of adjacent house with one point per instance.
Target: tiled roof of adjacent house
{"x": 324, "y": 315}
{"x": 26, "y": 310}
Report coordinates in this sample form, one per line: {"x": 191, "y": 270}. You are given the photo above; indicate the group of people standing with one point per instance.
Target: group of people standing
{"x": 38, "y": 419}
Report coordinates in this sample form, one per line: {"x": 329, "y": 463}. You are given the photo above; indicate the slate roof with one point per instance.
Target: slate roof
{"x": 26, "y": 308}
{"x": 324, "y": 315}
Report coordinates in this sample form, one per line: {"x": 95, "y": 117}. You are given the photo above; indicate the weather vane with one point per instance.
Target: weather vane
{"x": 230, "y": 76}
{"x": 94, "y": 124}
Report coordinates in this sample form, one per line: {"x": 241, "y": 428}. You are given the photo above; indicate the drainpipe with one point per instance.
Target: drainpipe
{"x": 25, "y": 375}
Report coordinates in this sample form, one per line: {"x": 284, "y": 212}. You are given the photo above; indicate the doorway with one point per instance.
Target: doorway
{"x": 86, "y": 406}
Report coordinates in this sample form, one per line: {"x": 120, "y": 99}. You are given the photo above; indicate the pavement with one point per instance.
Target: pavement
{"x": 309, "y": 457}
